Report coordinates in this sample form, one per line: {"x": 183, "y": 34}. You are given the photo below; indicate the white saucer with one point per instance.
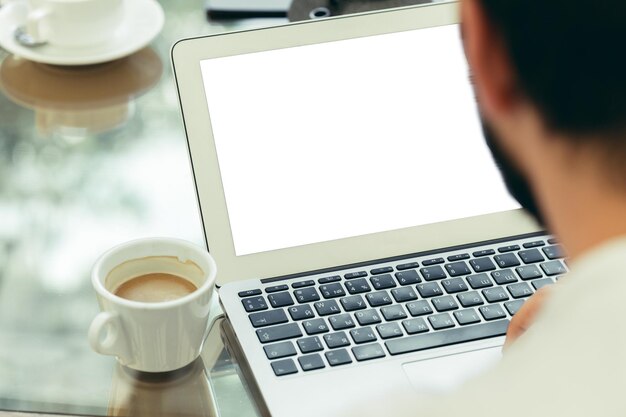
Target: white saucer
{"x": 143, "y": 20}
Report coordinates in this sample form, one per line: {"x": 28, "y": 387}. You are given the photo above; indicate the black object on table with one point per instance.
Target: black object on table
{"x": 316, "y": 9}
{"x": 242, "y": 9}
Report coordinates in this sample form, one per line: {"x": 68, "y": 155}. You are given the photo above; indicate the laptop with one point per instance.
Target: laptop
{"x": 361, "y": 229}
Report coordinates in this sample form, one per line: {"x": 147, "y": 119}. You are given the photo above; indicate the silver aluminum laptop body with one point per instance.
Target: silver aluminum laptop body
{"x": 267, "y": 114}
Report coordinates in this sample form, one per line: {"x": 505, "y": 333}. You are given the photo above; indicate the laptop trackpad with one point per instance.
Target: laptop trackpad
{"x": 445, "y": 374}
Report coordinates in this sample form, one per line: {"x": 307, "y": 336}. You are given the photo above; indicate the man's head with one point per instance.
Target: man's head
{"x": 550, "y": 76}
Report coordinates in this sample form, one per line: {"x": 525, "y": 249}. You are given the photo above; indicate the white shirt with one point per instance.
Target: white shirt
{"x": 571, "y": 362}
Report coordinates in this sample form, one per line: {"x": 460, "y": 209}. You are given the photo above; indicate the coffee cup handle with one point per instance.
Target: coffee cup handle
{"x": 34, "y": 23}
{"x": 105, "y": 336}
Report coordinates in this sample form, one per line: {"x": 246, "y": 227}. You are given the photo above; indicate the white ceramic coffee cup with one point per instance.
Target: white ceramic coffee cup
{"x": 160, "y": 336}
{"x": 73, "y": 23}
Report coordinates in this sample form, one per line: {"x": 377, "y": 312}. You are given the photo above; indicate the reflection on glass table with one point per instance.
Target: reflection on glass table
{"x": 186, "y": 392}
{"x": 208, "y": 387}
{"x": 78, "y": 101}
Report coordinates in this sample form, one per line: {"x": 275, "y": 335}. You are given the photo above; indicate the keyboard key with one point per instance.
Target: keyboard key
{"x": 452, "y": 286}
{"x": 465, "y": 317}
{"x": 494, "y": 295}
{"x": 306, "y": 295}
{"x": 441, "y": 321}
{"x": 382, "y": 282}
{"x": 342, "y": 321}
{"x": 404, "y": 294}
{"x": 410, "y": 265}
{"x": 457, "y": 269}
{"x": 367, "y": 352}
{"x": 327, "y": 280}
{"x": 482, "y": 264}
{"x": 353, "y": 275}
{"x": 367, "y": 317}
{"x": 479, "y": 281}
{"x": 326, "y": 308}
{"x": 492, "y": 312}
{"x": 485, "y": 252}
{"x": 363, "y": 335}
{"x": 268, "y": 318}
{"x": 276, "y": 333}
{"x": 458, "y": 257}
{"x": 315, "y": 326}
{"x": 280, "y": 299}
{"x": 504, "y": 276}
{"x": 302, "y": 284}
{"x": 338, "y": 357}
{"x": 509, "y": 248}
{"x": 276, "y": 288}
{"x": 552, "y": 241}
{"x": 358, "y": 286}
{"x": 389, "y": 330}
{"x": 419, "y": 308}
{"x": 379, "y": 298}
{"x": 507, "y": 260}
{"x": 301, "y": 312}
{"x": 539, "y": 283}
{"x": 535, "y": 244}
{"x": 470, "y": 299}
{"x": 310, "y": 344}
{"x": 284, "y": 367}
{"x": 279, "y": 350}
{"x": 553, "y": 252}
{"x": 433, "y": 261}
{"x": 445, "y": 303}
{"x": 254, "y": 304}
{"x": 553, "y": 268}
{"x": 395, "y": 312}
{"x": 408, "y": 277}
{"x": 447, "y": 337}
{"x": 249, "y": 293}
{"x": 429, "y": 289}
{"x": 528, "y": 272}
{"x": 311, "y": 362}
{"x": 433, "y": 273}
{"x": 383, "y": 270}
{"x": 335, "y": 340}
{"x": 353, "y": 303}
{"x": 332, "y": 290}
{"x": 414, "y": 326}
{"x": 513, "y": 306}
{"x": 520, "y": 290}
{"x": 531, "y": 256}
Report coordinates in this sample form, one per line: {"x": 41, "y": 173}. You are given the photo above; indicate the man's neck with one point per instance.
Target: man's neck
{"x": 582, "y": 208}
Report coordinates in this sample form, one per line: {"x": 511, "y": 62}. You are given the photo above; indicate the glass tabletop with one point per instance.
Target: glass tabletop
{"x": 89, "y": 158}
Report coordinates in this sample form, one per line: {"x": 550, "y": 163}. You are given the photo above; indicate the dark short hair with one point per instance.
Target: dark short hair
{"x": 570, "y": 61}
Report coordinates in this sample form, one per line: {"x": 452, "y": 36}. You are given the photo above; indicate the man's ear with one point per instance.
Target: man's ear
{"x": 487, "y": 55}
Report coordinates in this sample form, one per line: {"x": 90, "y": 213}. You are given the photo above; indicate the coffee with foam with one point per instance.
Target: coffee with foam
{"x": 155, "y": 288}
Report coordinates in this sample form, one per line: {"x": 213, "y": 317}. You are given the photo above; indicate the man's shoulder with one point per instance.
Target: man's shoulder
{"x": 602, "y": 267}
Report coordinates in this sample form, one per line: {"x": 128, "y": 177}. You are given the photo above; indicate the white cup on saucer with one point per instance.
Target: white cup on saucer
{"x": 73, "y": 23}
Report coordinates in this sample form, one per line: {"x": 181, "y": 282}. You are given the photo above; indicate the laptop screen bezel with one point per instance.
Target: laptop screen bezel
{"x": 186, "y": 57}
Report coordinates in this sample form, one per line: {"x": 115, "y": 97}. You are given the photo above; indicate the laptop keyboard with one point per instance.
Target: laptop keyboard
{"x": 399, "y": 308}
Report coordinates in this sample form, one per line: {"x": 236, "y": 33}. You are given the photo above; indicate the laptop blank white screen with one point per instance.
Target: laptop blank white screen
{"x": 347, "y": 138}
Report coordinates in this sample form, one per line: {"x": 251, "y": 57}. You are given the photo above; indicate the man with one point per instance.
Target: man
{"x": 550, "y": 78}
